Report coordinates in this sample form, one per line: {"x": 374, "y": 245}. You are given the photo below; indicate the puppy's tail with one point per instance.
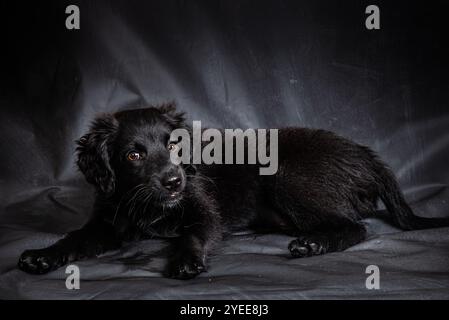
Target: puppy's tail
{"x": 399, "y": 210}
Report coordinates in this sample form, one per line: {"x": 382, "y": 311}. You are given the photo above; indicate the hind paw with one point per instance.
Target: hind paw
{"x": 307, "y": 246}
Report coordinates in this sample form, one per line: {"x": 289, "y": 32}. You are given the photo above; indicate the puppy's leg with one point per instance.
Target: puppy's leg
{"x": 322, "y": 231}
{"x": 201, "y": 230}
{"x": 188, "y": 257}
{"x": 320, "y": 242}
{"x": 93, "y": 239}
{"x": 324, "y": 214}
{"x": 191, "y": 249}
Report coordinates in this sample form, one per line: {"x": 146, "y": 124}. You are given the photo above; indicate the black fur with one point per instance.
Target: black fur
{"x": 324, "y": 186}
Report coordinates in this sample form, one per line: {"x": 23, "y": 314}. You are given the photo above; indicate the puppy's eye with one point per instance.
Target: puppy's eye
{"x": 172, "y": 147}
{"x": 133, "y": 156}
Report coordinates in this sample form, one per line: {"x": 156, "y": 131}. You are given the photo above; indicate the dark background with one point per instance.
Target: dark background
{"x": 233, "y": 64}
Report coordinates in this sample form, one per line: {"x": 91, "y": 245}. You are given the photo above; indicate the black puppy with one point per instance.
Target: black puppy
{"x": 324, "y": 185}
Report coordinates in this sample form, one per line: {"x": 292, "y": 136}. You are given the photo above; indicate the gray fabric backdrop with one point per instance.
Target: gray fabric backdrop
{"x": 233, "y": 64}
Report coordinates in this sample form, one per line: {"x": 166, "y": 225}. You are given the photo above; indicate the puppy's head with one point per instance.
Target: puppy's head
{"x": 128, "y": 153}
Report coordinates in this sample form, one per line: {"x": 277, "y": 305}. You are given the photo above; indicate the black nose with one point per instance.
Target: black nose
{"x": 172, "y": 183}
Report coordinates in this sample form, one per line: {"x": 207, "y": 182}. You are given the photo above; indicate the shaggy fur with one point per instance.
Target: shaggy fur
{"x": 324, "y": 186}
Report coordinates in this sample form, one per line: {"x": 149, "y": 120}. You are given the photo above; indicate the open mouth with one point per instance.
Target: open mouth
{"x": 173, "y": 198}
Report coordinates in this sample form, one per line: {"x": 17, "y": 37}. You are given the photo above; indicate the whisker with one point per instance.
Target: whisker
{"x": 120, "y": 203}
{"x": 137, "y": 197}
{"x": 132, "y": 201}
{"x": 203, "y": 178}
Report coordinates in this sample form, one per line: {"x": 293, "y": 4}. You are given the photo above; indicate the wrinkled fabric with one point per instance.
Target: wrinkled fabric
{"x": 230, "y": 64}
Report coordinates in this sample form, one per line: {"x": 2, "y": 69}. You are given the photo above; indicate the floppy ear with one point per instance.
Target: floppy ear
{"x": 173, "y": 116}
{"x": 93, "y": 154}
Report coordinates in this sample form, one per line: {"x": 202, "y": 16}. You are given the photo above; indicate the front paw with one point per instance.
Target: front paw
{"x": 185, "y": 268}
{"x": 41, "y": 261}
